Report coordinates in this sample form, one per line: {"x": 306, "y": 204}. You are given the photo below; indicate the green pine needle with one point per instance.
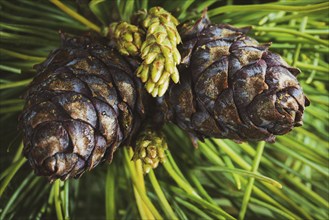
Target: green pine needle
{"x": 254, "y": 168}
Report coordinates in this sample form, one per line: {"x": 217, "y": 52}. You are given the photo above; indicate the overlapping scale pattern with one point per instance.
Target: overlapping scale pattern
{"x": 81, "y": 106}
{"x": 232, "y": 87}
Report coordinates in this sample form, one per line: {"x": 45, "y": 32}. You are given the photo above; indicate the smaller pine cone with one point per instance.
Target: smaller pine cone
{"x": 127, "y": 37}
{"x": 232, "y": 87}
{"x": 150, "y": 149}
{"x": 159, "y": 51}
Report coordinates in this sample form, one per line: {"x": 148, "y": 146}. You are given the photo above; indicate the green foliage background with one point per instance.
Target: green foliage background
{"x": 220, "y": 179}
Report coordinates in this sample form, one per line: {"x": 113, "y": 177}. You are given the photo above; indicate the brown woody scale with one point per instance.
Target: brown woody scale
{"x": 84, "y": 102}
{"x": 232, "y": 87}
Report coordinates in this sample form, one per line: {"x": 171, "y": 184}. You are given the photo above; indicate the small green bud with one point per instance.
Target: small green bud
{"x": 163, "y": 88}
{"x": 127, "y": 37}
{"x": 147, "y": 21}
{"x": 175, "y": 75}
{"x": 133, "y": 28}
{"x": 123, "y": 51}
{"x": 142, "y": 153}
{"x": 165, "y": 76}
{"x": 167, "y": 43}
{"x": 146, "y": 168}
{"x": 150, "y": 57}
{"x": 160, "y": 37}
{"x": 177, "y": 56}
{"x": 131, "y": 48}
{"x": 155, "y": 10}
{"x": 159, "y": 29}
{"x": 169, "y": 64}
{"x": 172, "y": 35}
{"x": 161, "y": 152}
{"x": 155, "y": 92}
{"x": 147, "y": 160}
{"x": 155, "y": 27}
{"x": 166, "y": 51}
{"x": 146, "y": 143}
{"x": 150, "y": 149}
{"x": 145, "y": 50}
{"x": 151, "y": 152}
{"x": 149, "y": 86}
{"x": 157, "y": 68}
{"x": 137, "y": 40}
{"x": 142, "y": 72}
{"x": 155, "y": 164}
{"x": 155, "y": 49}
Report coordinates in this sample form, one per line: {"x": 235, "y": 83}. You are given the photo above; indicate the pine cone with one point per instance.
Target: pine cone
{"x": 127, "y": 37}
{"x": 159, "y": 51}
{"x": 232, "y": 87}
{"x": 84, "y": 102}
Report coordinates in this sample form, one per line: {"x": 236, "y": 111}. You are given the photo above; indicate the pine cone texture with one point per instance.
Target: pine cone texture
{"x": 159, "y": 51}
{"x": 83, "y": 103}
{"x": 232, "y": 87}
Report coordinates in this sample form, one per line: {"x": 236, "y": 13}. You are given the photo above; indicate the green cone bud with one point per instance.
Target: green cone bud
{"x": 159, "y": 51}
{"x": 150, "y": 149}
{"x": 127, "y": 37}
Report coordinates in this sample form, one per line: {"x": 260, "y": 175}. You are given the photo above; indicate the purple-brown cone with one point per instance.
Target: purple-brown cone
{"x": 83, "y": 103}
{"x": 232, "y": 87}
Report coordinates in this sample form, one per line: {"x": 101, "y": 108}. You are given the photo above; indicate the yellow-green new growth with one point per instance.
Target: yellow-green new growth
{"x": 159, "y": 51}
{"x": 127, "y": 37}
{"x": 150, "y": 149}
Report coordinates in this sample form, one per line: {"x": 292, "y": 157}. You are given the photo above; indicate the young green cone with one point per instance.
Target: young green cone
{"x": 127, "y": 37}
{"x": 150, "y": 149}
{"x": 159, "y": 51}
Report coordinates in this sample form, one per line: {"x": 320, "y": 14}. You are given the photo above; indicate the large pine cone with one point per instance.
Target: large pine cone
{"x": 232, "y": 87}
{"x": 84, "y": 102}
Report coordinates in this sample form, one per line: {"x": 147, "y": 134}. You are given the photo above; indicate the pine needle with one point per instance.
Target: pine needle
{"x": 247, "y": 194}
{"x": 76, "y": 16}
